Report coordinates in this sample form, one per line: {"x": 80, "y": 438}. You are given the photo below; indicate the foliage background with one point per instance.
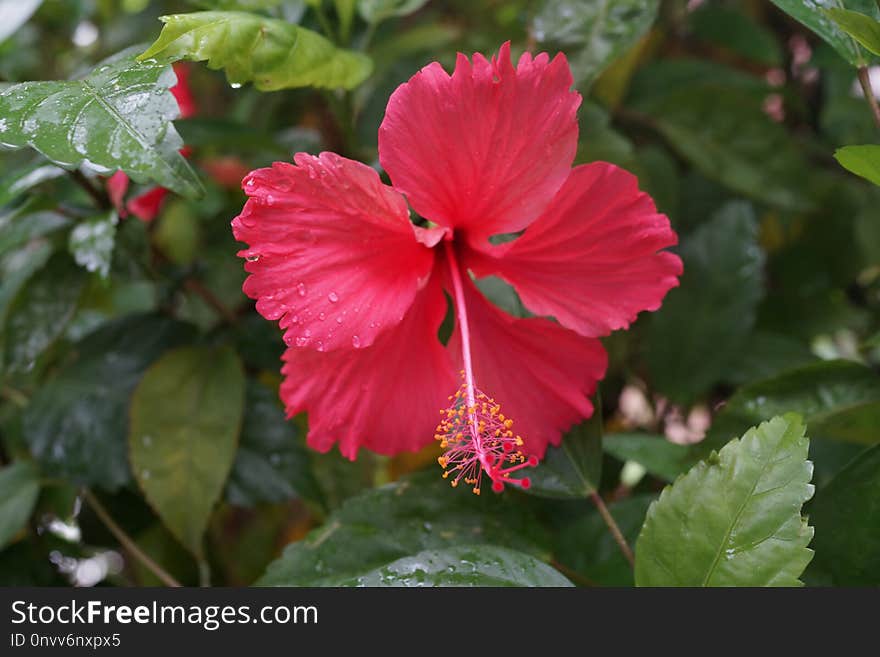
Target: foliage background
{"x": 139, "y": 419}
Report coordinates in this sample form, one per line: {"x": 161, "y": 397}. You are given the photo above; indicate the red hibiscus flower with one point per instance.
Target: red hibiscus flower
{"x": 146, "y": 206}
{"x": 359, "y": 289}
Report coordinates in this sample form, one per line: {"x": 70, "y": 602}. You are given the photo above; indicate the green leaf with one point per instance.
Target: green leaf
{"x": 17, "y": 182}
{"x": 376, "y": 11}
{"x": 741, "y": 147}
{"x": 592, "y": 33}
{"x": 588, "y": 548}
{"x": 271, "y": 53}
{"x": 271, "y": 464}
{"x": 862, "y": 28}
{"x": 767, "y": 354}
{"x": 19, "y": 227}
{"x": 185, "y": 419}
{"x": 732, "y": 29}
{"x": 571, "y": 470}
{"x": 17, "y": 268}
{"x": 399, "y": 520}
{"x": 657, "y": 455}
{"x": 827, "y": 394}
{"x": 465, "y": 565}
{"x": 91, "y": 243}
{"x": 847, "y": 515}
{"x": 76, "y": 423}
{"x": 19, "y": 487}
{"x": 703, "y": 326}
{"x": 117, "y": 117}
{"x": 813, "y": 14}
{"x": 14, "y": 14}
{"x": 40, "y": 312}
{"x": 735, "y": 519}
{"x": 227, "y": 136}
{"x": 862, "y": 160}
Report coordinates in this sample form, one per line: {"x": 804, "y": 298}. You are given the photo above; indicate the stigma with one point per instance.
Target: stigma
{"x": 478, "y": 438}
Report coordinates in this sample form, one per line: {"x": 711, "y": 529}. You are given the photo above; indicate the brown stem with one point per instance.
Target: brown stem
{"x": 126, "y": 541}
{"x": 613, "y": 528}
{"x": 865, "y": 81}
{"x": 99, "y": 196}
{"x": 572, "y": 574}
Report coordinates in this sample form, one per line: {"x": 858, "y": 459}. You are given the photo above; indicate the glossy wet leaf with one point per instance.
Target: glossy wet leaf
{"x": 592, "y": 33}
{"x": 91, "y": 243}
{"x": 271, "y": 53}
{"x": 76, "y": 424}
{"x": 19, "y": 487}
{"x": 734, "y": 519}
{"x": 657, "y": 455}
{"x": 186, "y": 417}
{"x": 399, "y": 520}
{"x": 40, "y": 312}
{"x": 862, "y": 28}
{"x": 863, "y": 161}
{"x": 703, "y": 326}
{"x": 469, "y": 565}
{"x": 14, "y": 14}
{"x": 813, "y": 14}
{"x": 271, "y": 464}
{"x": 116, "y": 117}
{"x": 846, "y": 513}
{"x": 573, "y": 469}
{"x": 587, "y": 547}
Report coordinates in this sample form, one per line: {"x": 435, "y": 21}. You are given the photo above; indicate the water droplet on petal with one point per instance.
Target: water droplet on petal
{"x": 302, "y": 342}
{"x": 322, "y": 316}
{"x": 333, "y": 297}
{"x": 252, "y": 258}
{"x": 339, "y": 320}
{"x": 301, "y": 289}
{"x": 270, "y": 200}
{"x": 355, "y": 341}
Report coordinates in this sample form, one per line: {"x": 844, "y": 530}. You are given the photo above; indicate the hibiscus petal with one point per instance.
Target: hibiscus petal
{"x": 541, "y": 373}
{"x": 484, "y": 149}
{"x": 117, "y": 186}
{"x": 147, "y": 205}
{"x": 385, "y": 397}
{"x": 592, "y": 259}
{"x": 332, "y": 254}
